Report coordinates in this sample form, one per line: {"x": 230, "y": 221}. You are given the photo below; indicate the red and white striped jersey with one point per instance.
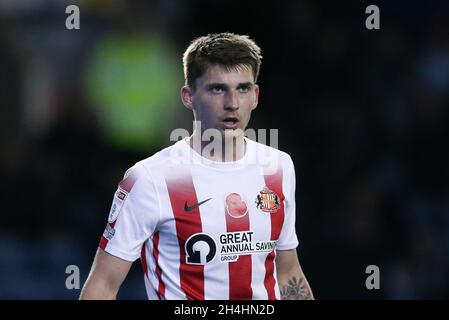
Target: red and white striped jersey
{"x": 205, "y": 229}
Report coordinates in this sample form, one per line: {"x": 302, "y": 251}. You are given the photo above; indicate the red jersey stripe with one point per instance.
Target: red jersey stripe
{"x": 161, "y": 287}
{"x": 127, "y": 183}
{"x": 181, "y": 191}
{"x": 103, "y": 240}
{"x": 274, "y": 183}
{"x": 143, "y": 259}
{"x": 240, "y": 270}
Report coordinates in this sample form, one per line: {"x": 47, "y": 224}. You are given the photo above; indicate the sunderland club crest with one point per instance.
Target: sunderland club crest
{"x": 267, "y": 200}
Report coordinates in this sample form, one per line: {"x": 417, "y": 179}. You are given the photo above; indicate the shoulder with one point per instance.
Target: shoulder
{"x": 157, "y": 162}
{"x": 270, "y": 156}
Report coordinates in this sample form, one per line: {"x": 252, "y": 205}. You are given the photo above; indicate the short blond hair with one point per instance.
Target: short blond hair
{"x": 226, "y": 49}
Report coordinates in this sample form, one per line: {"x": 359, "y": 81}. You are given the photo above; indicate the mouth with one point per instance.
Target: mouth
{"x": 230, "y": 122}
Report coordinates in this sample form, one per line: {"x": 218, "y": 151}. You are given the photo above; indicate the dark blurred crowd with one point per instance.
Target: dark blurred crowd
{"x": 363, "y": 113}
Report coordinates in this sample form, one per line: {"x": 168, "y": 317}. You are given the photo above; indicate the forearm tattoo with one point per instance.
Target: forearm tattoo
{"x": 296, "y": 289}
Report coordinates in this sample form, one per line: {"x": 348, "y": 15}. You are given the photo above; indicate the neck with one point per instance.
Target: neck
{"x": 224, "y": 148}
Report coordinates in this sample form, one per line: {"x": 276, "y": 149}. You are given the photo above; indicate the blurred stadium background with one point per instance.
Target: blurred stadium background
{"x": 364, "y": 114}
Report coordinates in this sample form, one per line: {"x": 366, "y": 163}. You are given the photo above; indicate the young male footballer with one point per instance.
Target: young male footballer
{"x": 207, "y": 222}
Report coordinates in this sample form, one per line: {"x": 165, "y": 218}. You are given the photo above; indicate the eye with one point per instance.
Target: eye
{"x": 216, "y": 89}
{"x": 244, "y": 89}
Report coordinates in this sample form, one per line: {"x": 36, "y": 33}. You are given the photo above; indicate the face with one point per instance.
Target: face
{"x": 223, "y": 99}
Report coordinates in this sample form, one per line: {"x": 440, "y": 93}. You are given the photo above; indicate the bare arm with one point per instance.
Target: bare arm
{"x": 292, "y": 281}
{"x": 105, "y": 277}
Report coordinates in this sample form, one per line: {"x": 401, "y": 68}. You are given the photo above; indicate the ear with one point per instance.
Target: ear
{"x": 186, "y": 97}
{"x": 256, "y": 97}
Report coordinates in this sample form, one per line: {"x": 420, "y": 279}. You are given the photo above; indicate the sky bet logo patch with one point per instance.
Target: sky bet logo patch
{"x": 117, "y": 204}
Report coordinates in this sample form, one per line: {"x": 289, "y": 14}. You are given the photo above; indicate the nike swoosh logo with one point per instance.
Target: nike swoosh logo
{"x": 190, "y": 208}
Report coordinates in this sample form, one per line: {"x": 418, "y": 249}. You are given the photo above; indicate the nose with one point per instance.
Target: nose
{"x": 231, "y": 101}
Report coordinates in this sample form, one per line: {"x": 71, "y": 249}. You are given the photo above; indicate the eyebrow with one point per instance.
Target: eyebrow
{"x": 246, "y": 84}
{"x": 223, "y": 85}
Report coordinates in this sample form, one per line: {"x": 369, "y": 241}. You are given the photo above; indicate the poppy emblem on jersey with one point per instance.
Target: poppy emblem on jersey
{"x": 267, "y": 200}
{"x": 235, "y": 206}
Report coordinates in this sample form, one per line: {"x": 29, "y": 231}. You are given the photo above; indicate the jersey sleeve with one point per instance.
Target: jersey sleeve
{"x": 133, "y": 216}
{"x": 288, "y": 238}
